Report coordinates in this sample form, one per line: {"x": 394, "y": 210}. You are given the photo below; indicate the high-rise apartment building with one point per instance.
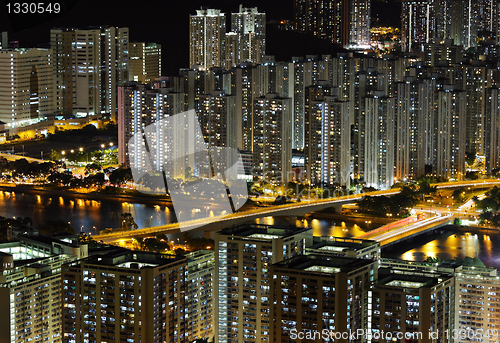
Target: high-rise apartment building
{"x": 458, "y": 20}
{"x": 325, "y": 19}
{"x": 327, "y": 136}
{"x": 379, "y": 140}
{"x": 474, "y": 84}
{"x": 367, "y": 81}
{"x": 220, "y": 127}
{"x": 409, "y": 130}
{"x": 207, "y": 30}
{"x": 413, "y": 304}
{"x": 142, "y": 108}
{"x": 359, "y": 24}
{"x": 442, "y": 52}
{"x": 492, "y": 129}
{"x": 345, "y": 247}
{"x": 463, "y": 299}
{"x": 242, "y": 85}
{"x": 201, "y": 303}
{"x": 272, "y": 139}
{"x": 30, "y": 287}
{"x": 243, "y": 258}
{"x": 26, "y": 86}
{"x": 477, "y": 300}
{"x": 305, "y": 74}
{"x": 247, "y": 40}
{"x": 450, "y": 148}
{"x": 127, "y": 296}
{"x": 417, "y": 24}
{"x": 89, "y": 65}
{"x": 312, "y": 293}
{"x": 144, "y": 62}
{"x": 428, "y": 102}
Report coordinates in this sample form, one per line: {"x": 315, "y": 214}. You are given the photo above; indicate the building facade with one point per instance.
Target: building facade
{"x": 144, "y": 62}
{"x": 30, "y": 292}
{"x": 247, "y": 40}
{"x": 125, "y": 296}
{"x": 243, "y": 258}
{"x": 200, "y": 294}
{"x": 379, "y": 141}
{"x": 89, "y": 65}
{"x": 207, "y": 29}
{"x": 314, "y": 293}
{"x": 26, "y": 86}
{"x": 272, "y": 139}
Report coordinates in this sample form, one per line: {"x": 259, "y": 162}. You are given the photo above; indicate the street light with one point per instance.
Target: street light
{"x": 81, "y": 149}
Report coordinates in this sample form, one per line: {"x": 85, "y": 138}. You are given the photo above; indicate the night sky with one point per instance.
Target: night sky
{"x": 164, "y": 22}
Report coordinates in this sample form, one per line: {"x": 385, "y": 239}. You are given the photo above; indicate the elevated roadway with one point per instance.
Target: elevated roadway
{"x": 11, "y": 157}
{"x": 409, "y": 227}
{"x": 295, "y": 209}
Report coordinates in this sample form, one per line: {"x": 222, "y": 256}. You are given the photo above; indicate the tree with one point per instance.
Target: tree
{"x": 425, "y": 187}
{"x": 56, "y": 226}
{"x": 96, "y": 180}
{"x": 128, "y": 222}
{"x": 200, "y": 243}
{"x": 154, "y": 245}
{"x": 458, "y": 195}
{"x": 92, "y": 168}
{"x": 63, "y": 178}
{"x": 470, "y": 157}
{"x": 180, "y": 251}
{"x": 188, "y": 174}
{"x": 120, "y": 176}
{"x": 472, "y": 175}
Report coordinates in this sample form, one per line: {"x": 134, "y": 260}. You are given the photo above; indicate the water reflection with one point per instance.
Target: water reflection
{"x": 452, "y": 243}
{"x": 321, "y": 227}
{"x": 88, "y": 213}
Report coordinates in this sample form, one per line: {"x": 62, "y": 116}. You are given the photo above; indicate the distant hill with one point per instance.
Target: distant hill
{"x": 287, "y": 44}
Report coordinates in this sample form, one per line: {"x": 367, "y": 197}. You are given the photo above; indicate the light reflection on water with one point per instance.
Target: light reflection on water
{"x": 107, "y": 214}
{"x": 80, "y": 212}
{"x": 452, "y": 243}
{"x": 321, "y": 227}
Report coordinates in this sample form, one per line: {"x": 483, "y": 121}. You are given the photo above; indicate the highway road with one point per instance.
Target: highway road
{"x": 10, "y": 157}
{"x": 274, "y": 210}
{"x": 394, "y": 231}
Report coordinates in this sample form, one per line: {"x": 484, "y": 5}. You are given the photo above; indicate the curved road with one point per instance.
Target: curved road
{"x": 258, "y": 213}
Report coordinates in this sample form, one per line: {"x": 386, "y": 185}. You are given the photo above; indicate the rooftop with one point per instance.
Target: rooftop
{"x": 132, "y": 259}
{"x": 323, "y": 264}
{"x": 387, "y": 277}
{"x": 341, "y": 243}
{"x": 262, "y": 231}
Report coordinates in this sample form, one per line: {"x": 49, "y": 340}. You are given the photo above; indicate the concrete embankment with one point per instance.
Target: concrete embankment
{"x": 90, "y": 196}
